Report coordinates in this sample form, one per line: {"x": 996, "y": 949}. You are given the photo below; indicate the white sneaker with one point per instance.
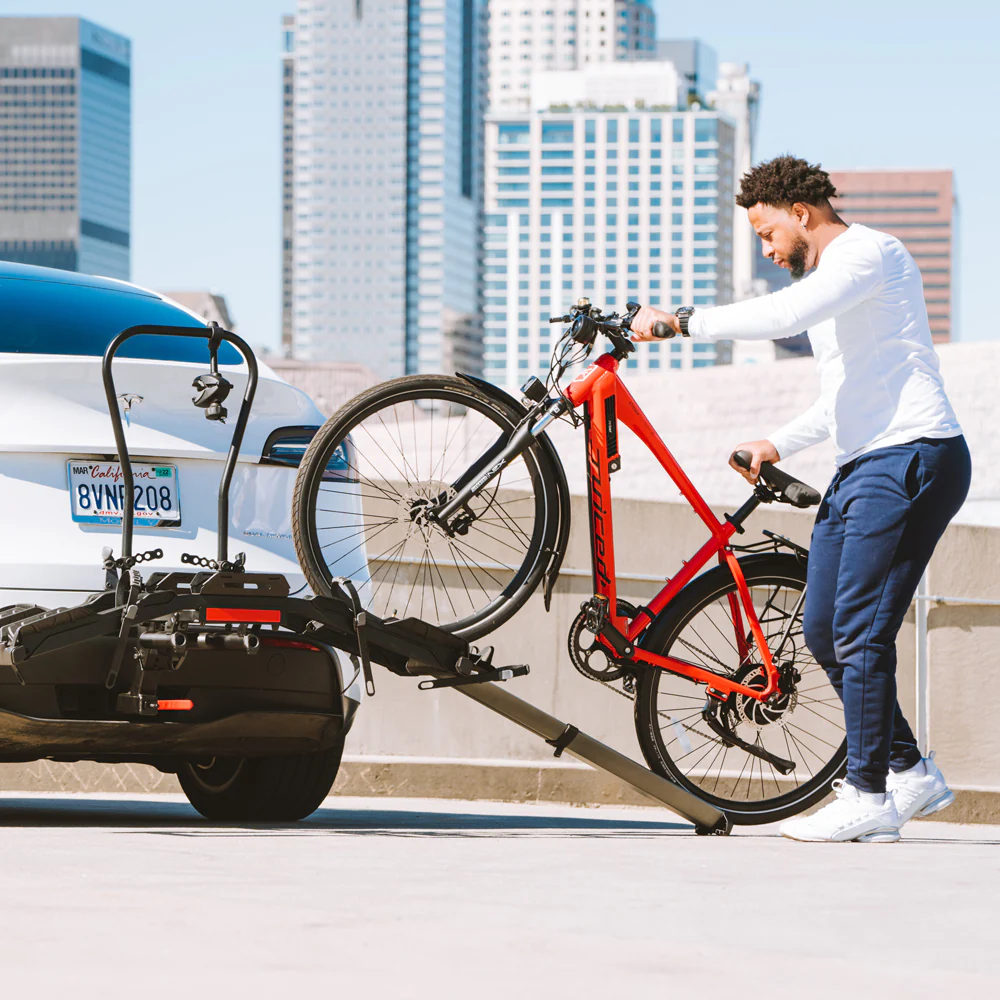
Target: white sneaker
{"x": 920, "y": 791}
{"x": 869, "y": 817}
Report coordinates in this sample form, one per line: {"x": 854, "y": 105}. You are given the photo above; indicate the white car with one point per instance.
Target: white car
{"x": 61, "y": 495}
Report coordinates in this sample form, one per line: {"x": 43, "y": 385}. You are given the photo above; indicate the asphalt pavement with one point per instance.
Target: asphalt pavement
{"x": 137, "y": 896}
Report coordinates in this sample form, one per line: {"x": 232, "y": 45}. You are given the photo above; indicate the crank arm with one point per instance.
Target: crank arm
{"x": 731, "y": 739}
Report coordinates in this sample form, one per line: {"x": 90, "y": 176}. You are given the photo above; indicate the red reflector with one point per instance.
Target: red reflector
{"x": 241, "y": 615}
{"x": 175, "y": 704}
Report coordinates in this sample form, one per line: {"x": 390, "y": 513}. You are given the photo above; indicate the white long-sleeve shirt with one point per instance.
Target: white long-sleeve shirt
{"x": 863, "y": 306}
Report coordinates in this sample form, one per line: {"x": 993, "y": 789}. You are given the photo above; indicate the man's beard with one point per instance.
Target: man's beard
{"x": 798, "y": 258}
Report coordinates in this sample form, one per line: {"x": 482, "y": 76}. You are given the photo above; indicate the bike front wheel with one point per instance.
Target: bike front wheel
{"x": 805, "y": 726}
{"x": 368, "y": 477}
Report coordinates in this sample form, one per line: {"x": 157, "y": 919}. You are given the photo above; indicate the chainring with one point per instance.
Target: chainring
{"x": 587, "y": 657}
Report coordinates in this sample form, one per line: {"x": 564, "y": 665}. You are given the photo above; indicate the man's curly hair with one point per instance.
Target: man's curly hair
{"x": 784, "y": 181}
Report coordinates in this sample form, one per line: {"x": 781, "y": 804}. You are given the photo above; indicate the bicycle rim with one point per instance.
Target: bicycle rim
{"x": 401, "y": 446}
{"x": 810, "y": 731}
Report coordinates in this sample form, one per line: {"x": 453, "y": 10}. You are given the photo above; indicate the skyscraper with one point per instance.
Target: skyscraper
{"x": 65, "y": 145}
{"x": 696, "y": 63}
{"x": 613, "y": 204}
{"x": 287, "y": 177}
{"x": 526, "y": 37}
{"x": 918, "y": 207}
{"x": 736, "y": 96}
{"x": 389, "y": 98}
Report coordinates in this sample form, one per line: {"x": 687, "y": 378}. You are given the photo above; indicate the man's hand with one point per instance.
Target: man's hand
{"x": 644, "y": 320}
{"x": 760, "y": 451}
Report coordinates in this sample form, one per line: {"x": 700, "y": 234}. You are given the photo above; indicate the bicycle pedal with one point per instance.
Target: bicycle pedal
{"x": 596, "y": 612}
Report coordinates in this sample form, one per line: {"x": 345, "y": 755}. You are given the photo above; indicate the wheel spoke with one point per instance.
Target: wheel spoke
{"x": 806, "y": 732}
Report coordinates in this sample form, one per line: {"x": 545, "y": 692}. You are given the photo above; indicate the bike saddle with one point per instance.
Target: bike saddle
{"x": 789, "y": 489}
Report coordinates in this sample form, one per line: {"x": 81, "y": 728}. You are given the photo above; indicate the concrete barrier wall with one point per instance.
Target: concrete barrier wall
{"x": 404, "y": 738}
{"x": 652, "y": 538}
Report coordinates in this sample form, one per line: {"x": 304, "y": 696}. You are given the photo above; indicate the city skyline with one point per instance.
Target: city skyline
{"x": 208, "y": 158}
{"x": 564, "y": 197}
{"x": 65, "y": 145}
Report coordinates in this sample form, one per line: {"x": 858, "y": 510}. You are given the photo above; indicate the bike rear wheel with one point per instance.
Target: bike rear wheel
{"x": 372, "y": 470}
{"x": 808, "y": 728}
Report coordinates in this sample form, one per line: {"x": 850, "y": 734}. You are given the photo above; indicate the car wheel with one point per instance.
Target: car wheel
{"x": 278, "y": 789}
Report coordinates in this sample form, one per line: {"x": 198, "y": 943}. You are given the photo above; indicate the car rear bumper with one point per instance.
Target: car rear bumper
{"x": 245, "y": 734}
{"x": 287, "y": 698}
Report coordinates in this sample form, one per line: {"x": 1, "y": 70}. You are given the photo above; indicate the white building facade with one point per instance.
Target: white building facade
{"x": 737, "y": 96}
{"x": 613, "y": 204}
{"x": 389, "y": 98}
{"x": 527, "y": 36}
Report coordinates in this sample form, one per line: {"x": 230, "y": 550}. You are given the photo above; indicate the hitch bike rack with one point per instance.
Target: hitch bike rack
{"x": 219, "y": 603}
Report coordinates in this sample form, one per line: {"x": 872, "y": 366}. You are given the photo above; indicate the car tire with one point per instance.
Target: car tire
{"x": 279, "y": 789}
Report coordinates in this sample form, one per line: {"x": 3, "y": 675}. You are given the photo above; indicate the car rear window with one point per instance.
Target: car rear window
{"x": 54, "y": 317}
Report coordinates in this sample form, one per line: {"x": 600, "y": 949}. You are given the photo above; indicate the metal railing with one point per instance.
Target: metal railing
{"x": 922, "y": 689}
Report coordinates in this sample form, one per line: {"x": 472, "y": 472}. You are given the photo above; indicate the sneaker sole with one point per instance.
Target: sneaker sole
{"x": 942, "y": 801}
{"x": 887, "y": 835}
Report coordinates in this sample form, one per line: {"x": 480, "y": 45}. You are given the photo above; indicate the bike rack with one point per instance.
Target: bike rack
{"x": 408, "y": 647}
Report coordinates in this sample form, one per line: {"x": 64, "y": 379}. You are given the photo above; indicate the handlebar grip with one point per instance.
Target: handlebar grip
{"x": 662, "y": 330}
{"x": 793, "y": 490}
{"x": 743, "y": 459}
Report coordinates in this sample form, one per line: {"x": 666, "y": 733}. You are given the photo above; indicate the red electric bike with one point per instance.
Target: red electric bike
{"x": 461, "y": 512}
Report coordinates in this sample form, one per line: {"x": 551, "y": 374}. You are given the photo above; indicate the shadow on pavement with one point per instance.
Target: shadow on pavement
{"x": 97, "y": 811}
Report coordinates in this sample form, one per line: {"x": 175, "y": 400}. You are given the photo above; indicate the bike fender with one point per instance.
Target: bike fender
{"x": 548, "y": 450}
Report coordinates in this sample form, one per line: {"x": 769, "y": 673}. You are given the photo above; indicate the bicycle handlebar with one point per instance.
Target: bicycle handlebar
{"x": 588, "y": 321}
{"x": 789, "y": 489}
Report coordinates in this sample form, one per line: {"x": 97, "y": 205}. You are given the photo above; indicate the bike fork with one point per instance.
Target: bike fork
{"x": 489, "y": 465}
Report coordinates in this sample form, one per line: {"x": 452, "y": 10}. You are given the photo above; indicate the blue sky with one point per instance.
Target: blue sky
{"x": 851, "y": 84}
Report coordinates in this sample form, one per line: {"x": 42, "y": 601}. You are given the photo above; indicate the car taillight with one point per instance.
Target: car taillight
{"x": 287, "y": 445}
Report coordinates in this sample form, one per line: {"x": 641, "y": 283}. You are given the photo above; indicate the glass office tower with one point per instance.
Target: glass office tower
{"x": 609, "y": 204}
{"x": 389, "y": 98}
{"x": 65, "y": 145}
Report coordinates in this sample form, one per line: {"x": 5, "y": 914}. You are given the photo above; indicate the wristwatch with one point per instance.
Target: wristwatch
{"x": 683, "y": 318}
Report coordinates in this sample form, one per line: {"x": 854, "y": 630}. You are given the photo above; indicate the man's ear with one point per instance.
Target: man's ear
{"x": 802, "y": 213}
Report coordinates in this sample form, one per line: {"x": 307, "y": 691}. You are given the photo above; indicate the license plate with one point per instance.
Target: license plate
{"x": 97, "y": 494}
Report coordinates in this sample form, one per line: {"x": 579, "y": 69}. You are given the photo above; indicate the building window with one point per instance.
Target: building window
{"x": 557, "y": 131}
{"x": 706, "y": 130}
{"x": 514, "y": 134}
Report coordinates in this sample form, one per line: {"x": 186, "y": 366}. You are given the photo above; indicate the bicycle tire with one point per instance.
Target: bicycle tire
{"x": 701, "y": 594}
{"x": 430, "y": 390}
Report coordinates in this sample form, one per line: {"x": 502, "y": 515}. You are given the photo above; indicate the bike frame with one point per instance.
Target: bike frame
{"x": 607, "y": 402}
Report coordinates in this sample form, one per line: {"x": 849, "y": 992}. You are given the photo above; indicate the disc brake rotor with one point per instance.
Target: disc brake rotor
{"x": 760, "y": 714}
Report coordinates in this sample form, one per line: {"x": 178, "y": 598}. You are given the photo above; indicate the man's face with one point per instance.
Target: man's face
{"x": 783, "y": 238}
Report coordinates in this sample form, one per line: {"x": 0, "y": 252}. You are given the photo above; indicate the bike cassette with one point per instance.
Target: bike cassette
{"x": 593, "y": 660}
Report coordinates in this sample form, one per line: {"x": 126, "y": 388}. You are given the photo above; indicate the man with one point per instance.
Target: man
{"x": 903, "y": 471}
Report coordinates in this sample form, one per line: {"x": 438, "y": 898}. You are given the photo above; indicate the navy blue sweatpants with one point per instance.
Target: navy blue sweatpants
{"x": 874, "y": 534}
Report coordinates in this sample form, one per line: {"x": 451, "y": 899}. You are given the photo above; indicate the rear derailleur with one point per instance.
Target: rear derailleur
{"x": 723, "y": 713}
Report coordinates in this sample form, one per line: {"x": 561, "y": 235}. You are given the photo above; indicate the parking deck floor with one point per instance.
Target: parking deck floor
{"x": 138, "y": 896}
